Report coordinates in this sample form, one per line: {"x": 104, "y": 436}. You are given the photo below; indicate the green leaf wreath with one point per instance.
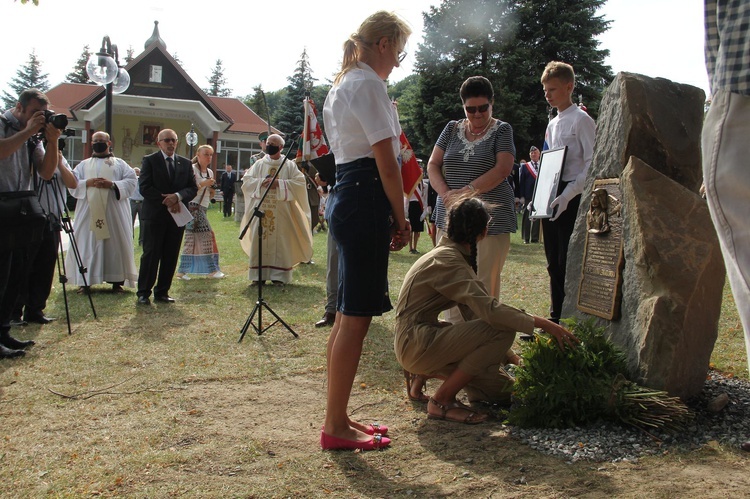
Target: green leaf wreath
{"x": 577, "y": 386}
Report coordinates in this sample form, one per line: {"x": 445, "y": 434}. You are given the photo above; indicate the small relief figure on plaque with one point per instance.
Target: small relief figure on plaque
{"x": 597, "y": 219}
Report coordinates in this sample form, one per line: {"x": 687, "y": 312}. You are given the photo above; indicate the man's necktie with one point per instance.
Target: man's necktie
{"x": 170, "y": 167}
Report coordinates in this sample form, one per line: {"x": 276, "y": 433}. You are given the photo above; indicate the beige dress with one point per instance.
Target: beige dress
{"x": 437, "y": 281}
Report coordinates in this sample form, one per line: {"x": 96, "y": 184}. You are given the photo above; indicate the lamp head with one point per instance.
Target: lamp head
{"x": 101, "y": 68}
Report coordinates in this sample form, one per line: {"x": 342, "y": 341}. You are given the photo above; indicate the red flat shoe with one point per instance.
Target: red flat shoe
{"x": 373, "y": 429}
{"x": 327, "y": 442}
{"x": 377, "y": 428}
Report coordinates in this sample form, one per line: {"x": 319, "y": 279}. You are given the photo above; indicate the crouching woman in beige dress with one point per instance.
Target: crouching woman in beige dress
{"x": 467, "y": 355}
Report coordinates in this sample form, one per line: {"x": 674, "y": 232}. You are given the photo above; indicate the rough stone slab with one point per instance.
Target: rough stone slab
{"x": 655, "y": 119}
{"x": 672, "y": 282}
{"x": 674, "y": 275}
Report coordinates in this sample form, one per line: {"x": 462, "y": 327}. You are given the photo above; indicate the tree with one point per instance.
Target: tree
{"x": 217, "y": 82}
{"x": 291, "y": 115}
{"x": 129, "y": 55}
{"x": 406, "y": 94}
{"x": 79, "y": 74}
{"x": 508, "y": 42}
{"x": 28, "y": 76}
{"x": 559, "y": 30}
{"x": 257, "y": 102}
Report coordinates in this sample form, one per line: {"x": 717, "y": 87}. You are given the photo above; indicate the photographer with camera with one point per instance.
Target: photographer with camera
{"x": 103, "y": 220}
{"x": 23, "y": 129}
{"x": 36, "y": 283}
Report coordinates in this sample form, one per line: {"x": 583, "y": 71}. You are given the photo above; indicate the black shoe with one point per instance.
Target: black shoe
{"x": 164, "y": 299}
{"x": 143, "y": 300}
{"x": 327, "y": 320}
{"x": 9, "y": 342}
{"x": 9, "y": 353}
{"x": 18, "y": 322}
{"x": 39, "y": 318}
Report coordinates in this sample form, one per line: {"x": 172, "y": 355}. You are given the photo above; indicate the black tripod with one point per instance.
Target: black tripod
{"x": 261, "y": 303}
{"x": 54, "y": 198}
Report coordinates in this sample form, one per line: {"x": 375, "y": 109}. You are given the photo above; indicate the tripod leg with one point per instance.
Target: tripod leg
{"x": 63, "y": 279}
{"x": 278, "y": 319}
{"x": 249, "y": 322}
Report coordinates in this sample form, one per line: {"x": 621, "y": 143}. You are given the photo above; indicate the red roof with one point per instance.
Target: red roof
{"x": 70, "y": 97}
{"x": 67, "y": 98}
{"x": 244, "y": 119}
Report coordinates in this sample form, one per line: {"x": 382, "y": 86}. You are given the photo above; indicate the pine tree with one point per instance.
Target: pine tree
{"x": 510, "y": 46}
{"x": 79, "y": 74}
{"x": 217, "y": 82}
{"x": 256, "y": 101}
{"x": 129, "y": 55}
{"x": 28, "y": 76}
{"x": 291, "y": 115}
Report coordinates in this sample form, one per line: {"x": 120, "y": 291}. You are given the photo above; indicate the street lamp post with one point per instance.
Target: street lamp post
{"x": 104, "y": 68}
{"x": 192, "y": 139}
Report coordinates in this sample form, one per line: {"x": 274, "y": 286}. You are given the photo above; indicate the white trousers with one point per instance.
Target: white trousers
{"x": 726, "y": 174}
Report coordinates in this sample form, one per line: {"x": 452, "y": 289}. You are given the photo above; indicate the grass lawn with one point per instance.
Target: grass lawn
{"x": 164, "y": 401}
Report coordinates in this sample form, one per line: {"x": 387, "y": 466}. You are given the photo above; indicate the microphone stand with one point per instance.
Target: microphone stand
{"x": 260, "y": 304}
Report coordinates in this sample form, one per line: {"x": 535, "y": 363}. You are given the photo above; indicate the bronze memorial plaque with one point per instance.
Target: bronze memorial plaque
{"x": 601, "y": 276}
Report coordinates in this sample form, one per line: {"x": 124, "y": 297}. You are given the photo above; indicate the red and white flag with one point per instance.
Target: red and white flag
{"x": 313, "y": 143}
{"x": 411, "y": 172}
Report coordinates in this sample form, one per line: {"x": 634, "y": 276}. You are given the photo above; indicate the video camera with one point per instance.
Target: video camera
{"x": 67, "y": 132}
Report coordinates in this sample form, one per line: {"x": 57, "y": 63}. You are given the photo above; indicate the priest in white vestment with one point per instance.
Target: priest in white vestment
{"x": 102, "y": 225}
{"x": 287, "y": 238}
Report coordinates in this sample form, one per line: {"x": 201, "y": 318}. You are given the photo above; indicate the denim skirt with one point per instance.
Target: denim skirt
{"x": 360, "y": 224}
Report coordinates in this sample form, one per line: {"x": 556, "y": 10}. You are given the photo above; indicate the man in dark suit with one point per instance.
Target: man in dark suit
{"x": 529, "y": 172}
{"x": 227, "y": 189}
{"x": 167, "y": 184}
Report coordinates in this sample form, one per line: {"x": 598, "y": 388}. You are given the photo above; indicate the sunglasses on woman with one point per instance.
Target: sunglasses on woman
{"x": 473, "y": 109}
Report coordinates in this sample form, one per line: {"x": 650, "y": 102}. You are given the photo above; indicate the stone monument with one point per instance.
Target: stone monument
{"x": 669, "y": 297}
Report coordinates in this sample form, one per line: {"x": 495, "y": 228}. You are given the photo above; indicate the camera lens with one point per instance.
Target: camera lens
{"x": 59, "y": 121}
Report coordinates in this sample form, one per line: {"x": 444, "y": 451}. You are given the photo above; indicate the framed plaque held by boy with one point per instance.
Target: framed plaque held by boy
{"x": 547, "y": 182}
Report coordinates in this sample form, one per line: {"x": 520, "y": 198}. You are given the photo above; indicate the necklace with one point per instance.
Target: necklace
{"x": 477, "y": 134}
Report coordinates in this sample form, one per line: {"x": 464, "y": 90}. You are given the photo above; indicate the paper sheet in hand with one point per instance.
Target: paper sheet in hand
{"x": 182, "y": 217}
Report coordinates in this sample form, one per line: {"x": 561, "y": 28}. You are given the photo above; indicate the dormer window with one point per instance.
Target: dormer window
{"x": 154, "y": 75}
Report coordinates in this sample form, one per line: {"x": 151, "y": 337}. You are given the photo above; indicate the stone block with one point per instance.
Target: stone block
{"x": 673, "y": 275}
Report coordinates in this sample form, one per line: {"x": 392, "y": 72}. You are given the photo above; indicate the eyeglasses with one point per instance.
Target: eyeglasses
{"x": 473, "y": 109}
{"x": 401, "y": 56}
{"x": 168, "y": 140}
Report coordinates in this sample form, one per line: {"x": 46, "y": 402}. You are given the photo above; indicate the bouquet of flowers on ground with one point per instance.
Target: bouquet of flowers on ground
{"x": 573, "y": 387}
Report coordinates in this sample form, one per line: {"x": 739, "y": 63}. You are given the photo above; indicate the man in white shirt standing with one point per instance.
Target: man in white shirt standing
{"x": 573, "y": 128}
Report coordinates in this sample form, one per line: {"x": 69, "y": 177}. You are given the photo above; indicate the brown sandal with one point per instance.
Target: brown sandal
{"x": 473, "y": 418}
{"x": 410, "y": 379}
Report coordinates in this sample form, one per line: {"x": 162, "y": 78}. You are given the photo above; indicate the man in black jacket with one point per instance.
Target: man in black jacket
{"x": 167, "y": 184}
{"x": 227, "y": 189}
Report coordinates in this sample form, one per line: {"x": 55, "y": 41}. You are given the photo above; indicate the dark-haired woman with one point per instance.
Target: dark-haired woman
{"x": 475, "y": 156}
{"x": 467, "y": 355}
